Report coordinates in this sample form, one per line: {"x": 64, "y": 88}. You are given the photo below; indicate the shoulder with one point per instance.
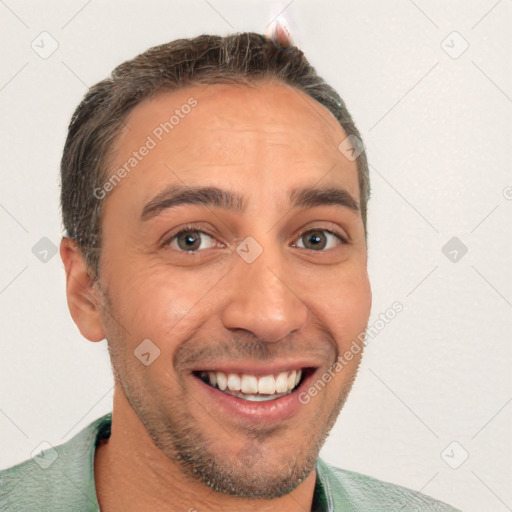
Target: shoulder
{"x": 57, "y": 478}
{"x": 353, "y": 491}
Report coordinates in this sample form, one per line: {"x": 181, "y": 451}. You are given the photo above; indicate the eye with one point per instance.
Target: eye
{"x": 190, "y": 240}
{"x": 319, "y": 239}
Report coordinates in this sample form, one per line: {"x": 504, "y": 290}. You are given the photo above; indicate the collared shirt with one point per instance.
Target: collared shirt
{"x": 62, "y": 479}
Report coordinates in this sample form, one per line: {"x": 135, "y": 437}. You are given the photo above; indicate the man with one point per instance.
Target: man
{"x": 214, "y": 195}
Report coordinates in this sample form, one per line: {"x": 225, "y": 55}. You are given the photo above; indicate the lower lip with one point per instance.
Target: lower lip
{"x": 270, "y": 411}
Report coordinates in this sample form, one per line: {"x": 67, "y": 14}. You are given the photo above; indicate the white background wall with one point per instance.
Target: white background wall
{"x": 438, "y": 134}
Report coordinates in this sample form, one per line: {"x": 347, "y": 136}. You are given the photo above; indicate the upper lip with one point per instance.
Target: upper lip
{"x": 255, "y": 367}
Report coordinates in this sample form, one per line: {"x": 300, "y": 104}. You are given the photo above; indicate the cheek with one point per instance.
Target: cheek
{"x": 161, "y": 303}
{"x": 348, "y": 304}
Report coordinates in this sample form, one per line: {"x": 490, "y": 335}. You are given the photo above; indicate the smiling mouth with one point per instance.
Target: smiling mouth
{"x": 252, "y": 387}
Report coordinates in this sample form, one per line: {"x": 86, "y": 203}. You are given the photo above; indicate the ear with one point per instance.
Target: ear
{"x": 82, "y": 299}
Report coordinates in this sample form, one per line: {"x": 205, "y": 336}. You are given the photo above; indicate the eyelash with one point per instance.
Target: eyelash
{"x": 190, "y": 228}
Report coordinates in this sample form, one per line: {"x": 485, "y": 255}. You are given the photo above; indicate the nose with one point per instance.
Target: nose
{"x": 264, "y": 299}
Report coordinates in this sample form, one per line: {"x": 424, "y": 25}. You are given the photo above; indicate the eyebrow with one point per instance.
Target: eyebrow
{"x": 309, "y": 197}
{"x": 304, "y": 197}
{"x": 177, "y": 195}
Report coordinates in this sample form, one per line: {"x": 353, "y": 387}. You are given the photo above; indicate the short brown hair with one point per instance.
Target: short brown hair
{"x": 206, "y": 59}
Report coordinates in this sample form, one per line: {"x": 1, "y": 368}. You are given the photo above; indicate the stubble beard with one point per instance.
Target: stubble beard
{"x": 181, "y": 439}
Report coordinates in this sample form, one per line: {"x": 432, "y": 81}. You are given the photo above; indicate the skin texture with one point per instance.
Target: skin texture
{"x": 293, "y": 302}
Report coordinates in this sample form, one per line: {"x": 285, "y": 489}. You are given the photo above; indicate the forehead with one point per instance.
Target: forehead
{"x": 270, "y": 134}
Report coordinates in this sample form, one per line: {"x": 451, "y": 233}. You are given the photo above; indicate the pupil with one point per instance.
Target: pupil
{"x": 315, "y": 239}
{"x": 189, "y": 240}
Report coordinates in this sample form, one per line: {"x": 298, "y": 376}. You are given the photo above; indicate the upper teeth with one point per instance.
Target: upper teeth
{"x": 251, "y": 384}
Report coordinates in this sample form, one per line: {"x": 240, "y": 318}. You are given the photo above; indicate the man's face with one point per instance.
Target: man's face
{"x": 220, "y": 307}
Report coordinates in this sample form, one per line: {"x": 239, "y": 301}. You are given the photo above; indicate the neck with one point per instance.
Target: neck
{"x": 132, "y": 474}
